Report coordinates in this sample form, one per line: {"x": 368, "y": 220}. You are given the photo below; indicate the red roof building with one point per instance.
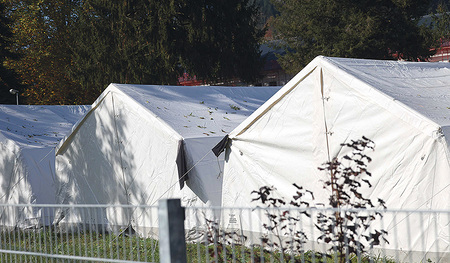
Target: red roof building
{"x": 442, "y": 53}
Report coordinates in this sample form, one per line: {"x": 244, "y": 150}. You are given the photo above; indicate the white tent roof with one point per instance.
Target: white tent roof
{"x": 422, "y": 86}
{"x": 38, "y": 125}
{"x": 199, "y": 111}
{"x": 191, "y": 111}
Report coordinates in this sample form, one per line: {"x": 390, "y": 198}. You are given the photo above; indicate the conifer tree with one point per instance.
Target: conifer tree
{"x": 221, "y": 39}
{"x": 441, "y": 24}
{"x": 153, "y": 42}
{"x": 386, "y": 29}
{"x": 123, "y": 42}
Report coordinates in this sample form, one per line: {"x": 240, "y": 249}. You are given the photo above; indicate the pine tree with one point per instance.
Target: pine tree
{"x": 440, "y": 24}
{"x": 221, "y": 39}
{"x": 153, "y": 42}
{"x": 125, "y": 41}
{"x": 385, "y": 29}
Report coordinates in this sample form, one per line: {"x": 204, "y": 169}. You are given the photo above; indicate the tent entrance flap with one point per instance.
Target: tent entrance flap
{"x": 181, "y": 164}
{"x": 220, "y": 147}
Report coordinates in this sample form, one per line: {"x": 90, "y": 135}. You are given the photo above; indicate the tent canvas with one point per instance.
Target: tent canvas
{"x": 141, "y": 143}
{"x": 28, "y": 137}
{"x": 404, "y": 107}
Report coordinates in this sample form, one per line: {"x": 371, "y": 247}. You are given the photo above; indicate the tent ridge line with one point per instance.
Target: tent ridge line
{"x": 63, "y": 143}
{"x": 172, "y": 132}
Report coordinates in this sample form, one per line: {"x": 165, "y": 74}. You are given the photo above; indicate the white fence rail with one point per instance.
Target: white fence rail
{"x": 124, "y": 233}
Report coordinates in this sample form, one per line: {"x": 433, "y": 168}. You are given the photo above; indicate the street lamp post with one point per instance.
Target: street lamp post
{"x": 15, "y": 92}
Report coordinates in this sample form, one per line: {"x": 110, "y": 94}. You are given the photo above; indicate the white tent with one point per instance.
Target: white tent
{"x": 140, "y": 143}
{"x": 404, "y": 107}
{"x": 28, "y": 137}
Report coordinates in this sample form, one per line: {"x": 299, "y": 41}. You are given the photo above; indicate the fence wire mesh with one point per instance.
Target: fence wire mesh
{"x": 124, "y": 233}
{"x": 78, "y": 233}
{"x": 313, "y": 235}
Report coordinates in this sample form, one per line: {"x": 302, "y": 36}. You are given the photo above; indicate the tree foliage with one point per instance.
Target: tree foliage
{"x": 434, "y": 5}
{"x": 382, "y": 29}
{"x": 41, "y": 37}
{"x": 8, "y": 78}
{"x": 123, "y": 42}
{"x": 224, "y": 32}
{"x": 441, "y": 24}
{"x": 72, "y": 49}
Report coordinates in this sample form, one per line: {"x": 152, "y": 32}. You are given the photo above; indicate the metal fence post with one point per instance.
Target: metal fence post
{"x": 172, "y": 244}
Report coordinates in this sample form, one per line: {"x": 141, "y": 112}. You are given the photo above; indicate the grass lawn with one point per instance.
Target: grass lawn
{"x": 48, "y": 246}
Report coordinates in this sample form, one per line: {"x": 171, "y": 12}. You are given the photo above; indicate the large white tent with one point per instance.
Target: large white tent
{"x": 404, "y": 107}
{"x": 28, "y": 138}
{"x": 140, "y": 143}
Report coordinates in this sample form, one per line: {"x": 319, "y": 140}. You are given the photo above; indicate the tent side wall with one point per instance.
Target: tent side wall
{"x": 14, "y": 187}
{"x": 279, "y": 148}
{"x": 410, "y": 166}
{"x": 40, "y": 163}
{"x": 12, "y": 170}
{"x": 99, "y": 164}
{"x": 27, "y": 177}
{"x": 28, "y": 134}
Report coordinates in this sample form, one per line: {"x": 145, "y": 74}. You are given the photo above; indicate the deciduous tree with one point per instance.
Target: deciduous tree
{"x": 41, "y": 37}
{"x": 8, "y": 77}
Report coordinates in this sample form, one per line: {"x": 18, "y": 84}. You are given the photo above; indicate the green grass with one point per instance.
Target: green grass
{"x": 202, "y": 253}
{"x": 88, "y": 244}
{"x": 133, "y": 248}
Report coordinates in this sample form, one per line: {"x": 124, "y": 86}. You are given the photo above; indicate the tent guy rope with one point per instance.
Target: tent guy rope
{"x": 177, "y": 182}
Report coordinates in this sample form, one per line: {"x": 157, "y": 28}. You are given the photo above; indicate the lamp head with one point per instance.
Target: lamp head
{"x": 13, "y": 91}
